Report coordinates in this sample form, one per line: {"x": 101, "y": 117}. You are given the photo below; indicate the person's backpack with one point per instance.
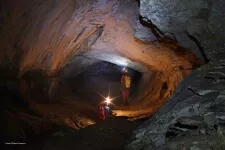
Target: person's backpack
{"x": 127, "y": 81}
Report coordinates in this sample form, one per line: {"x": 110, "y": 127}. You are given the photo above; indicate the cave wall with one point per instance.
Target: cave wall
{"x": 196, "y": 25}
{"x": 193, "y": 118}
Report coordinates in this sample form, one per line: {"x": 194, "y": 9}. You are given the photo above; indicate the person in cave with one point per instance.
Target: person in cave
{"x": 101, "y": 111}
{"x": 125, "y": 86}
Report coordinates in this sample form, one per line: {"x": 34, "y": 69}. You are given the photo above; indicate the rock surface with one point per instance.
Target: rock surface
{"x": 194, "y": 118}
{"x": 196, "y": 24}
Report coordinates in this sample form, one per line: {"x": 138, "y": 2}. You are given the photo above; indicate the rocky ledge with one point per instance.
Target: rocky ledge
{"x": 194, "y": 118}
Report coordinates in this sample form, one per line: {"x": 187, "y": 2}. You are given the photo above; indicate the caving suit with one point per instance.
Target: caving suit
{"x": 101, "y": 112}
{"x": 125, "y": 87}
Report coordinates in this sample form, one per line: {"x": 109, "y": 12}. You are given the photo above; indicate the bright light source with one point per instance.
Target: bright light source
{"x": 107, "y": 100}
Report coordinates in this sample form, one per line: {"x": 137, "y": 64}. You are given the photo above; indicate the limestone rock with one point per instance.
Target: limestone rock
{"x": 144, "y": 33}
{"x": 197, "y": 24}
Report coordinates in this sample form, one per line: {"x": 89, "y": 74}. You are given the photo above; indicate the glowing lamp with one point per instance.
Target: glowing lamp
{"x": 107, "y": 100}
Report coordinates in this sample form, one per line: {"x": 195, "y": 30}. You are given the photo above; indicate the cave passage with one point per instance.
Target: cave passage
{"x": 60, "y": 58}
{"x": 102, "y": 79}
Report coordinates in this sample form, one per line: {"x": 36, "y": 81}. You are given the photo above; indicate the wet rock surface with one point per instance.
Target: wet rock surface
{"x": 193, "y": 118}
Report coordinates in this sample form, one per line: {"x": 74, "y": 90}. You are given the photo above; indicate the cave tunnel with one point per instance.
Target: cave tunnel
{"x": 101, "y": 79}
{"x": 59, "y": 59}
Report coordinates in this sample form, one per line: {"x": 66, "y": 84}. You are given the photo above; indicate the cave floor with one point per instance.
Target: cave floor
{"x": 111, "y": 134}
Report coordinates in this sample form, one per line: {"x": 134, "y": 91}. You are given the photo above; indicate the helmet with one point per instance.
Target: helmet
{"x": 125, "y": 70}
